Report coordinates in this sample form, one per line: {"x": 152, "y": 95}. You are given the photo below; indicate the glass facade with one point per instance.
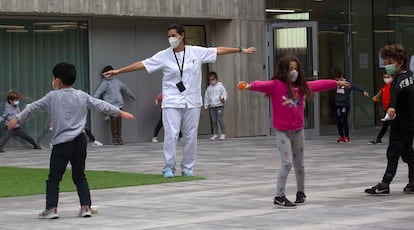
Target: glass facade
{"x": 350, "y": 34}
{"x": 29, "y": 50}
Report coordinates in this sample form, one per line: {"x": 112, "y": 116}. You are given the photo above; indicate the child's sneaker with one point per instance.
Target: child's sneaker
{"x": 409, "y": 188}
{"x": 154, "y": 140}
{"x": 374, "y": 142}
{"x": 214, "y": 137}
{"x": 347, "y": 140}
{"x": 222, "y": 137}
{"x": 85, "y": 211}
{"x": 283, "y": 202}
{"x": 96, "y": 143}
{"x": 49, "y": 214}
{"x": 300, "y": 198}
{"x": 379, "y": 189}
{"x": 340, "y": 140}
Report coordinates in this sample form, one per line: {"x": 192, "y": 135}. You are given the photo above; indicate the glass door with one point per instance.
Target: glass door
{"x": 301, "y": 39}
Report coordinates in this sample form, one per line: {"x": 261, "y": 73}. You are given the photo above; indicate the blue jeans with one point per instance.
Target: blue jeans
{"x": 75, "y": 153}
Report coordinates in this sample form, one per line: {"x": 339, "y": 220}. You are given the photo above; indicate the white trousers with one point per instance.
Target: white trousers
{"x": 187, "y": 119}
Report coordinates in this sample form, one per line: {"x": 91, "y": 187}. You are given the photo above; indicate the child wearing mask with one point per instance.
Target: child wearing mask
{"x": 288, "y": 90}
{"x": 385, "y": 94}
{"x": 11, "y": 108}
{"x": 214, "y": 99}
{"x": 112, "y": 90}
{"x": 401, "y": 113}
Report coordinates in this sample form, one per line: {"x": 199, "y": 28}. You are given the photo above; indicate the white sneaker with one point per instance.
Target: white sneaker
{"x": 154, "y": 140}
{"x": 214, "y": 137}
{"x": 222, "y": 137}
{"x": 85, "y": 211}
{"x": 96, "y": 143}
{"x": 49, "y": 214}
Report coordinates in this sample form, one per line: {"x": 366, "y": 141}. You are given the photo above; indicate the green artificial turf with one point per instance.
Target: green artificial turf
{"x": 30, "y": 181}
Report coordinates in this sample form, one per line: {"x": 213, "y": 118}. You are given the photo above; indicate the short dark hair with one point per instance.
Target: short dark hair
{"x": 107, "y": 68}
{"x": 212, "y": 73}
{"x": 396, "y": 52}
{"x": 12, "y": 95}
{"x": 66, "y": 72}
{"x": 180, "y": 30}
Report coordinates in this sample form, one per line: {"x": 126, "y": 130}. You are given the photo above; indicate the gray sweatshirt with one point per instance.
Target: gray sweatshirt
{"x": 9, "y": 112}
{"x": 112, "y": 90}
{"x": 67, "y": 109}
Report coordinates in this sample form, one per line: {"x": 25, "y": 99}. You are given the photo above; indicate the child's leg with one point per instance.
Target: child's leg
{"x": 58, "y": 161}
{"x": 213, "y": 116}
{"x": 220, "y": 119}
{"x": 6, "y": 136}
{"x": 22, "y": 134}
{"x": 77, "y": 161}
{"x": 338, "y": 116}
{"x": 118, "y": 129}
{"x": 394, "y": 150}
{"x": 298, "y": 141}
{"x": 384, "y": 128}
{"x": 115, "y": 138}
{"x": 284, "y": 144}
{"x": 408, "y": 155}
{"x": 90, "y": 135}
{"x": 158, "y": 127}
{"x": 344, "y": 117}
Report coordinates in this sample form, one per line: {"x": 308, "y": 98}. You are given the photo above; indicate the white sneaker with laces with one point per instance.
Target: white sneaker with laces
{"x": 214, "y": 137}
{"x": 97, "y": 143}
{"x": 222, "y": 137}
{"x": 154, "y": 140}
{"x": 49, "y": 214}
{"x": 85, "y": 211}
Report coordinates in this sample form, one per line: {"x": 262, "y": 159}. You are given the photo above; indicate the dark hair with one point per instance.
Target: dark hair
{"x": 282, "y": 74}
{"x": 336, "y": 73}
{"x": 180, "y": 30}
{"x": 66, "y": 72}
{"x": 212, "y": 73}
{"x": 107, "y": 68}
{"x": 12, "y": 95}
{"x": 396, "y": 52}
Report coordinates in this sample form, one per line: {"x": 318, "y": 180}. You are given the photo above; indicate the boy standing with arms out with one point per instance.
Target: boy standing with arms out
{"x": 401, "y": 111}
{"x": 67, "y": 108}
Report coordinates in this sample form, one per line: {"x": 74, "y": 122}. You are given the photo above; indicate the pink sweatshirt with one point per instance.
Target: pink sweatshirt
{"x": 288, "y": 114}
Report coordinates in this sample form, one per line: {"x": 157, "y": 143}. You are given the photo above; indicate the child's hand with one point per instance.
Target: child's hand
{"x": 13, "y": 122}
{"x": 375, "y": 99}
{"x": 366, "y": 94}
{"x": 343, "y": 83}
{"x": 126, "y": 115}
{"x": 243, "y": 85}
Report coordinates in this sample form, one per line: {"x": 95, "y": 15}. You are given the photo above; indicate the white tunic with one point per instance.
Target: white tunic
{"x": 165, "y": 60}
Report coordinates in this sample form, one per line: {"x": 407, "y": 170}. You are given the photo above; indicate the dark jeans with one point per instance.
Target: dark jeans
{"x": 16, "y": 132}
{"x": 384, "y": 128}
{"x": 401, "y": 144}
{"x": 341, "y": 113}
{"x": 90, "y": 135}
{"x": 75, "y": 153}
{"x": 116, "y": 129}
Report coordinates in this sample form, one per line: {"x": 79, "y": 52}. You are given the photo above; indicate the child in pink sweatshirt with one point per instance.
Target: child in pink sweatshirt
{"x": 288, "y": 90}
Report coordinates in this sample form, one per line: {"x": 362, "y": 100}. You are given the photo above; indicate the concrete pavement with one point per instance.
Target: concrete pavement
{"x": 236, "y": 194}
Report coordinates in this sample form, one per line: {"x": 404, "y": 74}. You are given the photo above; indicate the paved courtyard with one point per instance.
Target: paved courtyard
{"x": 236, "y": 194}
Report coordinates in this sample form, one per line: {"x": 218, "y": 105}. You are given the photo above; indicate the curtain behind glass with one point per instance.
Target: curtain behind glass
{"x": 29, "y": 49}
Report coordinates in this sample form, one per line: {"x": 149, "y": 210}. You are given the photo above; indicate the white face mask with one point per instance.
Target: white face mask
{"x": 174, "y": 42}
{"x": 387, "y": 80}
{"x": 293, "y": 75}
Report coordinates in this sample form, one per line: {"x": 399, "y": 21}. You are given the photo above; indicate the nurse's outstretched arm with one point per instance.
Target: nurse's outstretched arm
{"x": 133, "y": 67}
{"x": 228, "y": 50}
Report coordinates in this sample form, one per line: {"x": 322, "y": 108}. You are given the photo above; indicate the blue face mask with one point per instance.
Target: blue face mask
{"x": 390, "y": 69}
{"x": 16, "y": 103}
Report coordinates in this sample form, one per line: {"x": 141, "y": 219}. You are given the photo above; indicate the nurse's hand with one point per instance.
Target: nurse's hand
{"x": 111, "y": 72}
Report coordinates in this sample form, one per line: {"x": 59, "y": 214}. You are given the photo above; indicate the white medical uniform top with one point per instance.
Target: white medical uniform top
{"x": 165, "y": 60}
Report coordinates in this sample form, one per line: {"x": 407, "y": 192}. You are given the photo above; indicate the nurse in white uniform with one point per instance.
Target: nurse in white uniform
{"x": 181, "y": 89}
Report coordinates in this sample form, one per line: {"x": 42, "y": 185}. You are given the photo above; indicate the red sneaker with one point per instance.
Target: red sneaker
{"x": 341, "y": 140}
{"x": 347, "y": 140}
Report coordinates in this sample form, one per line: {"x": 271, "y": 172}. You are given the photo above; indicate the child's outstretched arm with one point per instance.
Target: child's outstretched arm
{"x": 126, "y": 115}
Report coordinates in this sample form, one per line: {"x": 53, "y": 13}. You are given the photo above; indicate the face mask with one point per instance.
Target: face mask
{"x": 16, "y": 103}
{"x": 174, "y": 42}
{"x": 390, "y": 69}
{"x": 108, "y": 77}
{"x": 293, "y": 75}
{"x": 387, "y": 80}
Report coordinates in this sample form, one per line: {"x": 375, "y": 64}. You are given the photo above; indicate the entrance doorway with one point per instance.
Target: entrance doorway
{"x": 301, "y": 39}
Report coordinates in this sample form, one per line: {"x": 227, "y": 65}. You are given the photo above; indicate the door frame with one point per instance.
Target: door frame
{"x": 313, "y": 25}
